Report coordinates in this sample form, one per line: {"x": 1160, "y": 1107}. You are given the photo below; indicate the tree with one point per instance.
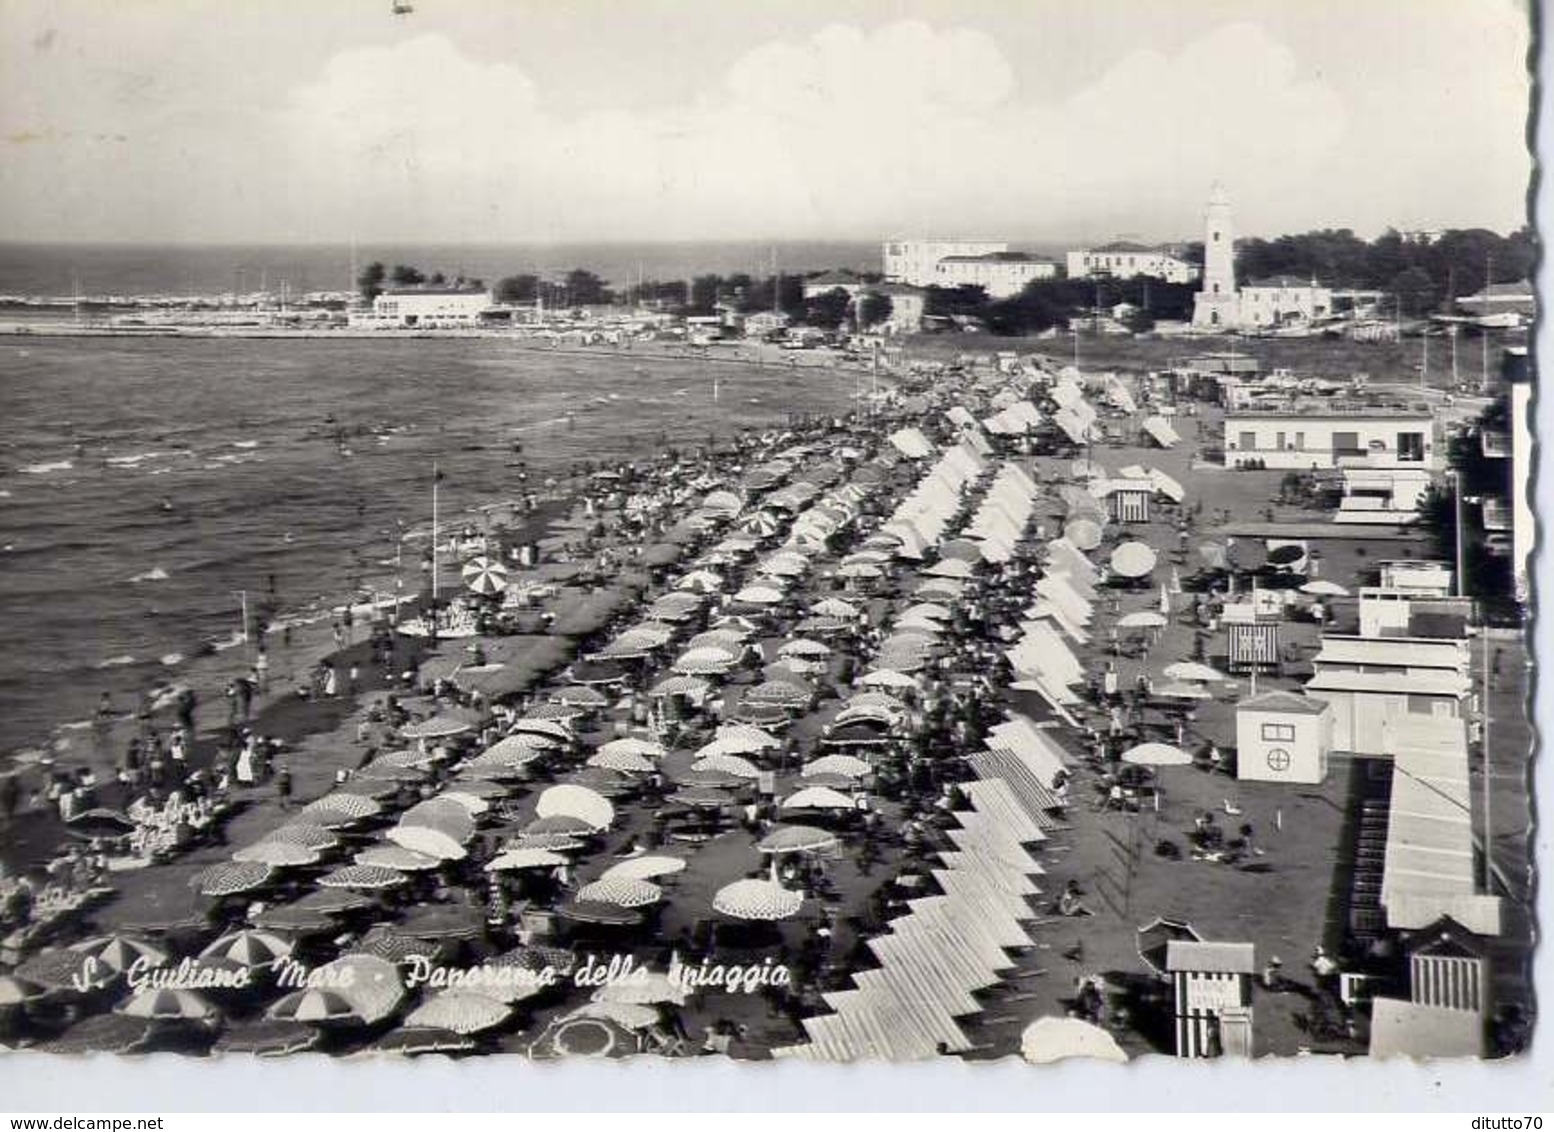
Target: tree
{"x": 585, "y": 289}
{"x": 828, "y": 310}
{"x": 371, "y": 281}
{"x": 438, "y": 279}
{"x": 518, "y": 289}
{"x": 873, "y": 309}
{"x": 1415, "y": 291}
{"x": 404, "y": 275}
{"x": 704, "y": 293}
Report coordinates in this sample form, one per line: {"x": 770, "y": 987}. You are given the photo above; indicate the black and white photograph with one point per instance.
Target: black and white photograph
{"x": 843, "y": 532}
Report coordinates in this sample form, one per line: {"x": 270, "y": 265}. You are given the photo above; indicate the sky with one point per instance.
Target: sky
{"x": 233, "y": 121}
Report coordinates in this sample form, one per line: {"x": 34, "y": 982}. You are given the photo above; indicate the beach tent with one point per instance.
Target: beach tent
{"x": 911, "y": 443}
{"x": 1160, "y": 431}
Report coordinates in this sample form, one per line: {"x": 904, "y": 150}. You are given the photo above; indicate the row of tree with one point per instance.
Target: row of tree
{"x": 1048, "y": 303}
{"x": 1419, "y": 273}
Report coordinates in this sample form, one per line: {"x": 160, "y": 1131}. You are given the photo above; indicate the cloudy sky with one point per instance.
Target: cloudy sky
{"x": 532, "y": 120}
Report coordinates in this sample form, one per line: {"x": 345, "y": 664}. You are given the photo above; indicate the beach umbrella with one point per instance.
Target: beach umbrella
{"x": 1321, "y": 587}
{"x": 339, "y": 809}
{"x": 687, "y": 686}
{"x": 316, "y": 1006}
{"x": 170, "y": 1005}
{"x": 869, "y": 713}
{"x": 515, "y": 860}
{"x": 704, "y": 662}
{"x": 412, "y": 1041}
{"x": 372, "y": 985}
{"x": 789, "y": 566}
{"x": 278, "y": 854}
{"x": 424, "y": 840}
{"x": 1286, "y": 554}
{"x": 623, "y": 891}
{"x": 574, "y": 1037}
{"x": 579, "y": 802}
{"x": 461, "y": 788}
{"x": 835, "y": 607}
{"x": 758, "y": 714}
{"x": 644, "y": 868}
{"x": 1144, "y": 619}
{"x": 797, "y": 839}
{"x": 460, "y": 1010}
{"x": 99, "y": 822}
{"x": 805, "y": 649}
{"x": 701, "y": 581}
{"x": 232, "y": 878}
{"x": 471, "y": 802}
{"x": 559, "y": 711}
{"x": 644, "y": 987}
{"x": 267, "y": 1038}
{"x": 411, "y": 757}
{"x": 58, "y": 968}
{"x": 102, "y": 1033}
{"x": 441, "y": 814}
{"x": 564, "y": 824}
{"x": 735, "y": 765}
{"x": 1085, "y": 534}
{"x": 762, "y": 524}
{"x": 930, "y": 611}
{"x": 702, "y": 798}
{"x": 437, "y": 727}
{"x": 817, "y": 798}
{"x": 1051, "y": 1039}
{"x": 444, "y": 921}
{"x": 859, "y": 571}
{"x": 753, "y": 899}
{"x": 605, "y": 915}
{"x": 484, "y": 576}
{"x": 742, "y": 739}
{"x": 15, "y": 991}
{"x": 602, "y": 780}
{"x": 1180, "y": 691}
{"x": 759, "y": 595}
{"x": 399, "y": 858}
{"x": 118, "y": 953}
{"x": 395, "y": 946}
{"x": 730, "y": 640}
{"x": 662, "y": 554}
{"x": 544, "y": 728}
{"x": 555, "y": 842}
{"x": 292, "y": 918}
{"x": 390, "y": 773}
{"x": 1191, "y": 670}
{"x": 1153, "y": 939}
{"x": 366, "y": 877}
{"x": 887, "y": 678}
{"x": 781, "y": 693}
{"x": 622, "y": 761}
{"x": 600, "y": 672}
{"x": 305, "y": 834}
{"x": 876, "y": 698}
{"x": 848, "y": 766}
{"x": 334, "y": 901}
{"x": 1156, "y": 754}
{"x": 824, "y": 625}
{"x": 523, "y": 747}
{"x": 1133, "y": 560}
{"x": 947, "y": 588}
{"x": 644, "y": 748}
{"x": 250, "y": 948}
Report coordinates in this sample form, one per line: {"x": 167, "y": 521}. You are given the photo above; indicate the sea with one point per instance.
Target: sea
{"x": 121, "y": 270}
{"x": 147, "y": 484}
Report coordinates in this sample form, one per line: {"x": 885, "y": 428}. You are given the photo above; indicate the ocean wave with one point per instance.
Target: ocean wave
{"x": 131, "y": 461}
{"x": 170, "y": 659}
{"x": 245, "y": 444}
{"x": 155, "y": 574}
{"x": 46, "y": 467}
{"x": 115, "y": 662}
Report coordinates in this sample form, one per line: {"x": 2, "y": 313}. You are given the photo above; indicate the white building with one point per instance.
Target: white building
{"x": 834, "y": 281}
{"x": 1282, "y": 300}
{"x": 1325, "y": 433}
{"x": 907, "y": 307}
{"x": 1283, "y": 737}
{"x": 1524, "y": 526}
{"x": 1001, "y": 274}
{"x": 1123, "y": 259}
{"x": 431, "y": 308}
{"x": 914, "y": 261}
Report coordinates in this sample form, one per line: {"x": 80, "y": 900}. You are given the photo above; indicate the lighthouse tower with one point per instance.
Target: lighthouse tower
{"x": 1217, "y": 306}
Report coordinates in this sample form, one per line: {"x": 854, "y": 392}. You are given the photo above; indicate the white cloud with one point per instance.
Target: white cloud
{"x": 848, "y": 132}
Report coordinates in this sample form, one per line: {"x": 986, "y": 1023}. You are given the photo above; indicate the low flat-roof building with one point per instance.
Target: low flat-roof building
{"x": 1001, "y": 274}
{"x": 1322, "y": 433}
{"x": 1283, "y": 737}
{"x": 914, "y": 261}
{"x": 1124, "y": 259}
{"x": 1365, "y": 703}
{"x": 426, "y": 308}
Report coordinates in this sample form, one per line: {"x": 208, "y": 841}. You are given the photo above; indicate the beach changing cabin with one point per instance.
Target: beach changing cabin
{"x": 1212, "y": 987}
{"x": 1283, "y": 737}
{"x": 1253, "y": 636}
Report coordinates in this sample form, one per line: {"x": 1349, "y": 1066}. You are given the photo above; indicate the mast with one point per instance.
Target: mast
{"x": 436, "y": 477}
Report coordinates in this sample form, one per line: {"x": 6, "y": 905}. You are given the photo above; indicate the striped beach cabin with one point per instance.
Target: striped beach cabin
{"x": 1212, "y": 986}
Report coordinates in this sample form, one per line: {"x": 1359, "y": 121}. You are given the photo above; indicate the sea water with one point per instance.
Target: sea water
{"x": 144, "y": 484}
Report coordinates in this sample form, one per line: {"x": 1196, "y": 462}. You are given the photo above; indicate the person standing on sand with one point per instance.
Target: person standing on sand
{"x": 262, "y": 670}
{"x": 331, "y": 685}
{"x": 283, "y": 786}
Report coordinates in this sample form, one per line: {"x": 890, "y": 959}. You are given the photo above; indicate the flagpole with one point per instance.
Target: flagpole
{"x": 435, "y": 478}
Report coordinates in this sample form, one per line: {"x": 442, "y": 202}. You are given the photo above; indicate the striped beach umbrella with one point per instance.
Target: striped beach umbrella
{"x": 232, "y": 879}
{"x": 364, "y": 877}
{"x": 461, "y": 1011}
{"x": 623, "y": 892}
{"x": 250, "y": 947}
{"x": 753, "y": 899}
{"x": 484, "y": 576}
